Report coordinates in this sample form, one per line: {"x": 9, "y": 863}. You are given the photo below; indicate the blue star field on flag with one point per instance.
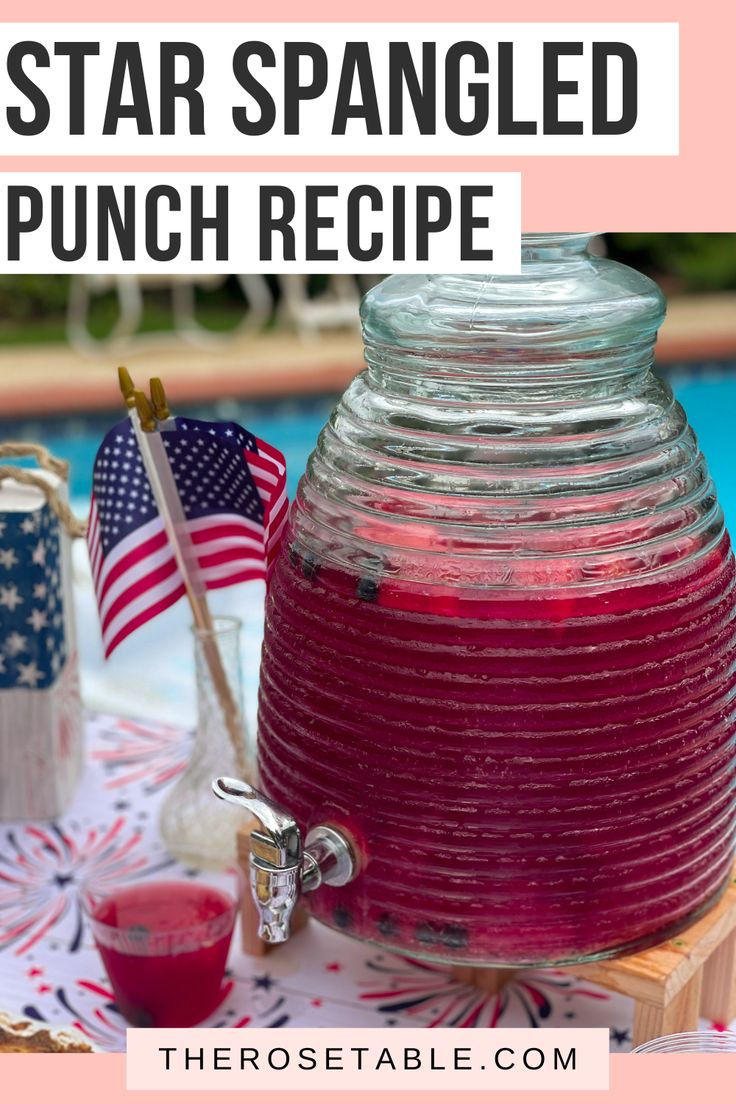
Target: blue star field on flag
{"x": 207, "y": 463}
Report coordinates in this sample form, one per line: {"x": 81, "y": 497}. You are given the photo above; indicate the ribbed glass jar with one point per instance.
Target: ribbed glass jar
{"x": 691, "y": 1042}
{"x": 500, "y": 637}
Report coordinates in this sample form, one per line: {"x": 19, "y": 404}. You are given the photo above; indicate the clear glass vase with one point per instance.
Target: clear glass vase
{"x": 196, "y": 828}
{"x": 500, "y": 638}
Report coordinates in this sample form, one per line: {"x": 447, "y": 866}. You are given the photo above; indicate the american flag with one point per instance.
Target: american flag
{"x": 232, "y": 488}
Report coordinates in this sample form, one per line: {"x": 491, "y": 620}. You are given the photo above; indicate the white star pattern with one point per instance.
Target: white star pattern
{"x": 9, "y": 597}
{"x": 38, "y": 620}
{"x": 222, "y": 483}
{"x": 33, "y": 651}
{"x": 15, "y": 644}
{"x": 28, "y": 674}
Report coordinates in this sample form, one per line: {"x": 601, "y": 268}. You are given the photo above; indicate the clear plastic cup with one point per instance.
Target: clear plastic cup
{"x": 164, "y": 946}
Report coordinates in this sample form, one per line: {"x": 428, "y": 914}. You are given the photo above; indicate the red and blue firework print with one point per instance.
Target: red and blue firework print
{"x": 42, "y": 869}
{"x": 50, "y": 969}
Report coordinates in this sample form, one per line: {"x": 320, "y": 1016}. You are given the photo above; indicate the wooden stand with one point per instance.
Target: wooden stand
{"x": 672, "y": 984}
{"x": 491, "y": 979}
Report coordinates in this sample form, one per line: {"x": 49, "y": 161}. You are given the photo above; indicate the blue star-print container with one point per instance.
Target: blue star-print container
{"x": 41, "y": 732}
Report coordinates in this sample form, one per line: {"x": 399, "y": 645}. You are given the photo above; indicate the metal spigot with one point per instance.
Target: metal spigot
{"x": 281, "y": 869}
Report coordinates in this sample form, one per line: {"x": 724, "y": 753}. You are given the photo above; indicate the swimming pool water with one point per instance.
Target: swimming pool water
{"x": 708, "y": 394}
{"x": 157, "y": 659}
{"x": 291, "y": 425}
{"x": 710, "y": 402}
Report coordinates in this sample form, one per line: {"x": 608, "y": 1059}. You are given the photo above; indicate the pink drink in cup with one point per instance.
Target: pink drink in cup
{"x": 164, "y": 946}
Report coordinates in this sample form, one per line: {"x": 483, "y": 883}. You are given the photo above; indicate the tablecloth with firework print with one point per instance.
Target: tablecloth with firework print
{"x": 50, "y": 970}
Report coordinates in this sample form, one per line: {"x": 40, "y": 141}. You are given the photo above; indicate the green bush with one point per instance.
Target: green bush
{"x": 698, "y": 262}
{"x": 25, "y": 298}
{"x": 692, "y": 262}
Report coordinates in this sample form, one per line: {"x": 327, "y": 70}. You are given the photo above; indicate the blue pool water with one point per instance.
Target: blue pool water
{"x": 291, "y": 425}
{"x": 708, "y": 393}
{"x": 710, "y": 401}
{"x": 157, "y": 659}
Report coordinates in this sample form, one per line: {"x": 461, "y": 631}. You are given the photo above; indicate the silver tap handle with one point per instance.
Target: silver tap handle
{"x": 275, "y": 893}
{"x": 279, "y": 825}
{"x": 279, "y": 870}
{"x": 275, "y": 859}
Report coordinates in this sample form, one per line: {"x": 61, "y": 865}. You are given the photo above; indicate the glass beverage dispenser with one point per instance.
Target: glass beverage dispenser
{"x": 498, "y": 669}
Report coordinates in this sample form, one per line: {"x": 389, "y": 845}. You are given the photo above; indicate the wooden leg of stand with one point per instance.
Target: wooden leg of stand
{"x": 491, "y": 979}
{"x": 718, "y": 1000}
{"x": 250, "y": 942}
{"x": 681, "y": 1014}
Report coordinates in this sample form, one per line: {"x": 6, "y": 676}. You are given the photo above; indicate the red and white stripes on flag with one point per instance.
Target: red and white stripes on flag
{"x": 268, "y": 468}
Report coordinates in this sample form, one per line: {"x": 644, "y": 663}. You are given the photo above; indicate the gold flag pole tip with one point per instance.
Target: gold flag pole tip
{"x": 158, "y": 400}
{"x": 145, "y": 411}
{"x": 127, "y": 387}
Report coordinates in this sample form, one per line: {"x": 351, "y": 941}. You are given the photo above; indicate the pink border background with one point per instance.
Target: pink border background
{"x": 694, "y": 191}
{"x": 635, "y": 1079}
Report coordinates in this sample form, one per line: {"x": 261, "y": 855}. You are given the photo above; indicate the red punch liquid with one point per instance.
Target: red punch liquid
{"x": 530, "y": 776}
{"x": 166, "y": 954}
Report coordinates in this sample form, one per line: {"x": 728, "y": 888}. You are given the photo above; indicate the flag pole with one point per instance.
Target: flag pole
{"x": 171, "y": 511}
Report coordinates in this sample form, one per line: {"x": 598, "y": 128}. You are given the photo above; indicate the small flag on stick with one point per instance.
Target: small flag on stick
{"x": 180, "y": 506}
{"x": 231, "y": 487}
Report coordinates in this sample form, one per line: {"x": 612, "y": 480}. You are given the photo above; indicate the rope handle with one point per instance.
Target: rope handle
{"x": 16, "y": 449}
{"x": 42, "y": 456}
